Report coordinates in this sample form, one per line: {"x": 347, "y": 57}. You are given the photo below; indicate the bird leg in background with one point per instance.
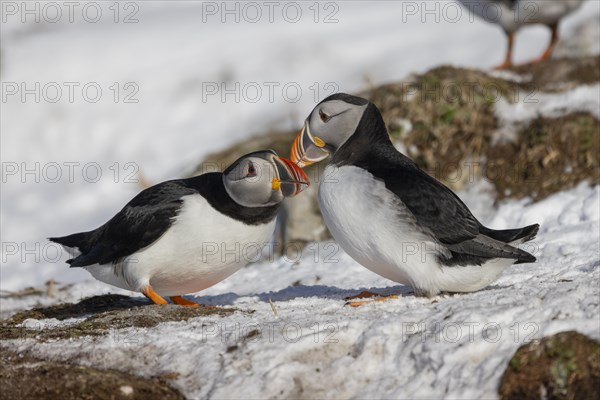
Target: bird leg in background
{"x": 183, "y": 302}
{"x": 152, "y": 295}
{"x": 548, "y": 53}
{"x": 509, "y": 52}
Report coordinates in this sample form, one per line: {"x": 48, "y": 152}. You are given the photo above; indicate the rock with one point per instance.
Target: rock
{"x": 562, "y": 366}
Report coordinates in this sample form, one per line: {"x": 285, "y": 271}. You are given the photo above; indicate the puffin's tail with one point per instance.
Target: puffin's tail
{"x": 519, "y": 235}
{"x": 79, "y": 241}
{"x": 515, "y": 237}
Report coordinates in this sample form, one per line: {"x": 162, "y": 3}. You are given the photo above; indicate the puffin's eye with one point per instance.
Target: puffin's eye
{"x": 251, "y": 170}
{"x": 324, "y": 116}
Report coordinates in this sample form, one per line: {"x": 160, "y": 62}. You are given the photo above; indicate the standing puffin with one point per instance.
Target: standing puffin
{"x": 182, "y": 236}
{"x": 392, "y": 217}
{"x": 512, "y": 14}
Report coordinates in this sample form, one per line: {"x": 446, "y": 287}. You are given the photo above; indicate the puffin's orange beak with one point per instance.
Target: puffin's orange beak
{"x": 307, "y": 149}
{"x": 292, "y": 179}
{"x": 297, "y": 153}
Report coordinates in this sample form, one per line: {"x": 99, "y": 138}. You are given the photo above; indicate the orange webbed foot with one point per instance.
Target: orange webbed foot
{"x": 152, "y": 295}
{"x": 365, "y": 295}
{"x": 183, "y": 302}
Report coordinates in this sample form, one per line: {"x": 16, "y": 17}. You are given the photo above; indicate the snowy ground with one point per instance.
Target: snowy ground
{"x": 315, "y": 347}
{"x": 453, "y": 346}
{"x": 70, "y": 165}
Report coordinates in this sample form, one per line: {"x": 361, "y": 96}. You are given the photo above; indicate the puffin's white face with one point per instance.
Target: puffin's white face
{"x": 263, "y": 179}
{"x": 330, "y": 124}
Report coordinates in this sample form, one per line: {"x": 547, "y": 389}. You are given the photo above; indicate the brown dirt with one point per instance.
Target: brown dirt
{"x": 563, "y": 366}
{"x": 561, "y": 73}
{"x": 25, "y": 377}
{"x": 553, "y": 154}
{"x": 105, "y": 313}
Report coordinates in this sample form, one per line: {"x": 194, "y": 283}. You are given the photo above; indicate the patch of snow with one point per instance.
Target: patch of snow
{"x": 48, "y": 323}
{"x": 409, "y": 347}
{"x": 510, "y": 76}
{"x": 531, "y": 105}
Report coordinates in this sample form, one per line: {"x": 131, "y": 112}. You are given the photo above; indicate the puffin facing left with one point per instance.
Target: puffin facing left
{"x": 183, "y": 236}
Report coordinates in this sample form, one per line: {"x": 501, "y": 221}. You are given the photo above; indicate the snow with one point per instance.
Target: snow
{"x": 448, "y": 346}
{"x": 584, "y": 98}
{"x": 454, "y": 346}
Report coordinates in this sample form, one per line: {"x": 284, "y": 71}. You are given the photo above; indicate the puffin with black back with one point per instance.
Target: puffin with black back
{"x": 392, "y": 217}
{"x": 182, "y": 236}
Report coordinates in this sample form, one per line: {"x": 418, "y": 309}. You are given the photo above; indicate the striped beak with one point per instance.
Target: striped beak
{"x": 307, "y": 149}
{"x": 291, "y": 180}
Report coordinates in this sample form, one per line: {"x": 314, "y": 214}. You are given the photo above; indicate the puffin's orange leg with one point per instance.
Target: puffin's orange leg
{"x": 509, "y": 52}
{"x": 152, "y": 295}
{"x": 183, "y": 302}
{"x": 550, "y": 49}
{"x": 362, "y": 303}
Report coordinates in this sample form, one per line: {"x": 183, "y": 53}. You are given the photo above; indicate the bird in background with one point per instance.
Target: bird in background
{"x": 511, "y": 15}
{"x": 185, "y": 235}
{"x": 392, "y": 217}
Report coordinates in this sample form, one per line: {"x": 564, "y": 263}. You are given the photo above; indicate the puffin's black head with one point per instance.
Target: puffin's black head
{"x": 332, "y": 123}
{"x": 263, "y": 179}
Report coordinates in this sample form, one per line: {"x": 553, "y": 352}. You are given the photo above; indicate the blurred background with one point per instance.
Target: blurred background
{"x": 100, "y": 99}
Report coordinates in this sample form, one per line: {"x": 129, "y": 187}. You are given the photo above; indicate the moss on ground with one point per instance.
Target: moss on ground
{"x": 25, "y": 377}
{"x": 102, "y": 314}
{"x": 553, "y": 154}
{"x": 562, "y": 366}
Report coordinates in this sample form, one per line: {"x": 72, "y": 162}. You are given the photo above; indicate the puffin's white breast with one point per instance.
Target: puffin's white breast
{"x": 374, "y": 227}
{"x": 201, "y": 248}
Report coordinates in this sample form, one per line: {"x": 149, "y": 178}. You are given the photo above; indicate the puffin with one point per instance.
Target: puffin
{"x": 511, "y": 15}
{"x": 392, "y": 217}
{"x": 182, "y": 236}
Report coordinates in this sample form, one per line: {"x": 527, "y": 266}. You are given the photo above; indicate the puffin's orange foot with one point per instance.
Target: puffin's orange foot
{"x": 364, "y": 295}
{"x": 152, "y": 295}
{"x": 362, "y": 303}
{"x": 183, "y": 302}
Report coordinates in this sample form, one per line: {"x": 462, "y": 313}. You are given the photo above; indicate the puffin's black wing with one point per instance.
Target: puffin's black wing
{"x": 141, "y": 222}
{"x": 434, "y": 206}
{"x": 439, "y": 210}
